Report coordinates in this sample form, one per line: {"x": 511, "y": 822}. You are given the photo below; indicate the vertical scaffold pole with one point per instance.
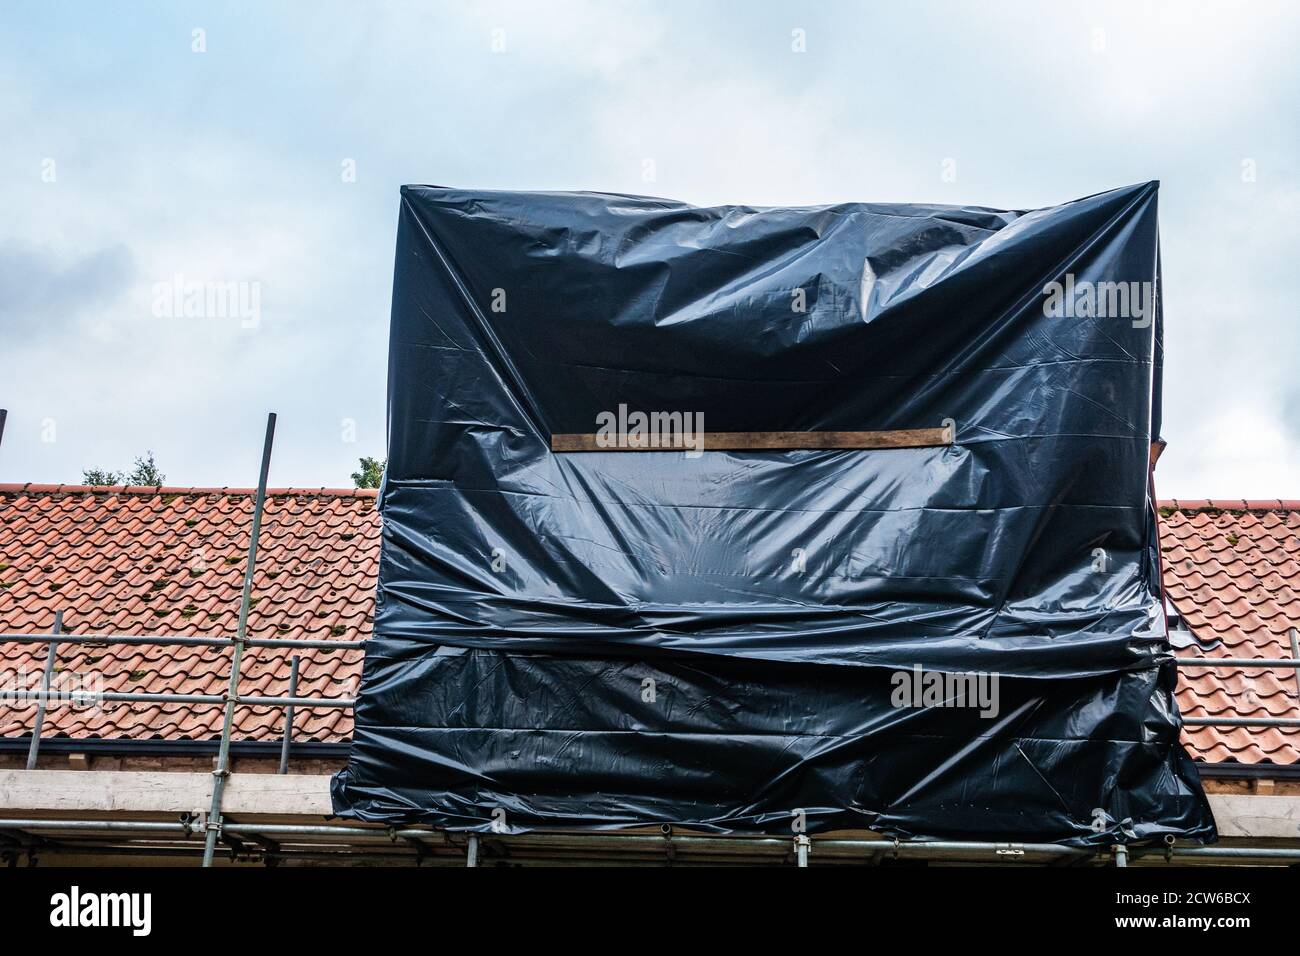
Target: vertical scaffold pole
{"x": 1295, "y": 656}
{"x": 222, "y": 770}
{"x": 288, "y": 716}
{"x": 34, "y": 749}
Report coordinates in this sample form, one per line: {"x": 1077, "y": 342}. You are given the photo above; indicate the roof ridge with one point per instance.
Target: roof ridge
{"x": 1176, "y": 504}
{"x": 147, "y": 490}
{"x": 1230, "y": 504}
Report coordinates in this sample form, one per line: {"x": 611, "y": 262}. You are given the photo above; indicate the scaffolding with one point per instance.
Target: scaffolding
{"x": 273, "y": 843}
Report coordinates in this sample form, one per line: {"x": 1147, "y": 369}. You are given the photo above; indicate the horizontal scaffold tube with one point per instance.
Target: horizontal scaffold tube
{"x": 89, "y": 698}
{"x": 914, "y": 848}
{"x": 176, "y": 640}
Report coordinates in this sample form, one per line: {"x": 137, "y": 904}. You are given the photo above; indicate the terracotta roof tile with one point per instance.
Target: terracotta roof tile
{"x": 1232, "y": 572}
{"x": 171, "y": 560}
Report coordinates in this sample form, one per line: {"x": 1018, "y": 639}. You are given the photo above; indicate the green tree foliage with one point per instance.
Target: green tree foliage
{"x": 144, "y": 472}
{"x": 98, "y": 476}
{"x": 371, "y": 473}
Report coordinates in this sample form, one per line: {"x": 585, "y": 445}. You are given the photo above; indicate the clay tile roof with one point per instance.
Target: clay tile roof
{"x": 171, "y": 560}
{"x": 1232, "y": 573}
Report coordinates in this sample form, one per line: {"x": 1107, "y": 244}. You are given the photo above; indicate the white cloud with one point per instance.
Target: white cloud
{"x": 226, "y": 167}
{"x": 1238, "y": 449}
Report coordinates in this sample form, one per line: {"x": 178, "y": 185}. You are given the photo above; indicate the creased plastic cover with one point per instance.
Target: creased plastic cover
{"x": 743, "y": 640}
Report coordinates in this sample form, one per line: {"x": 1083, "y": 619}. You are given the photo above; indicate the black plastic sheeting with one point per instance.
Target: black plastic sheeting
{"x": 605, "y": 639}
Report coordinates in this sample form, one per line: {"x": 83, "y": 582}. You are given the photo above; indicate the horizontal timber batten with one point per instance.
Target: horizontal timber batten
{"x": 760, "y": 441}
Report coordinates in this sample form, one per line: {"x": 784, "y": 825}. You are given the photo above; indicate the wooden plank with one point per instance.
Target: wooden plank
{"x": 142, "y": 791}
{"x": 1241, "y": 815}
{"x": 768, "y": 441}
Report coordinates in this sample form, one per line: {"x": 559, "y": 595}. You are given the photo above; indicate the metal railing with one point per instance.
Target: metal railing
{"x": 1292, "y": 662}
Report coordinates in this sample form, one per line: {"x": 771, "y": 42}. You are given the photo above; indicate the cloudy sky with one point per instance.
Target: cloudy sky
{"x": 267, "y": 150}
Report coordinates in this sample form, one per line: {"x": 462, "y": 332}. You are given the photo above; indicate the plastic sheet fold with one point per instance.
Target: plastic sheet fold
{"x": 730, "y": 640}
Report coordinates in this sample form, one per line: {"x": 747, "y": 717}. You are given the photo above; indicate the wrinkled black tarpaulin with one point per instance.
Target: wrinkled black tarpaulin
{"x": 526, "y": 597}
